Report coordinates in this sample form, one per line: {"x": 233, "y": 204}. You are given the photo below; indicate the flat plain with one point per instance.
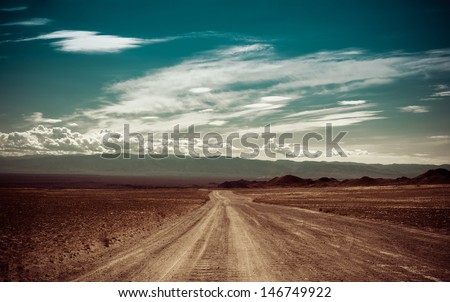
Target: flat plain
{"x": 425, "y": 207}
{"x": 50, "y": 234}
{"x": 382, "y": 233}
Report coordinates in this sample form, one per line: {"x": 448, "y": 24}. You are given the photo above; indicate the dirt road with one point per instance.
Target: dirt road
{"x": 233, "y": 239}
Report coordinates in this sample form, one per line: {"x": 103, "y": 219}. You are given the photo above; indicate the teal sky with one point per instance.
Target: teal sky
{"x": 71, "y": 70}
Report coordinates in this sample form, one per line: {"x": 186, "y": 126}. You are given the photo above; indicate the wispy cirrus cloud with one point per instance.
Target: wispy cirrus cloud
{"x": 217, "y": 123}
{"x": 240, "y": 50}
{"x": 38, "y": 118}
{"x": 92, "y": 42}
{"x": 13, "y": 9}
{"x": 441, "y": 94}
{"x": 275, "y": 98}
{"x": 29, "y": 22}
{"x": 414, "y": 109}
{"x": 246, "y": 91}
{"x": 441, "y": 91}
{"x": 324, "y": 111}
{"x": 262, "y": 106}
{"x": 352, "y": 102}
{"x": 78, "y": 41}
{"x": 241, "y": 92}
{"x": 200, "y": 90}
{"x": 439, "y": 87}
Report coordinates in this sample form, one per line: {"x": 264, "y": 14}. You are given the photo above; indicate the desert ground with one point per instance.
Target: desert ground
{"x": 51, "y": 234}
{"x": 384, "y": 233}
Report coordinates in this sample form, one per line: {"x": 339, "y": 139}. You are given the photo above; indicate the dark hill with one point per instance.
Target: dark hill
{"x": 435, "y": 176}
{"x": 289, "y": 181}
{"x": 242, "y": 183}
{"x": 363, "y": 181}
{"x": 326, "y": 182}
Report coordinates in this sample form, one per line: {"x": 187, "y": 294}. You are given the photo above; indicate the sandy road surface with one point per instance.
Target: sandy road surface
{"x": 234, "y": 239}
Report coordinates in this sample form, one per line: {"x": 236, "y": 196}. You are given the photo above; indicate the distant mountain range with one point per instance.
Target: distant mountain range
{"x": 436, "y": 176}
{"x": 195, "y": 170}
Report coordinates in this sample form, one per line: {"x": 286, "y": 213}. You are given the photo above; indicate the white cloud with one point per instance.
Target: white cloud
{"x": 356, "y": 152}
{"x": 439, "y": 137}
{"x": 324, "y": 111}
{"x": 441, "y": 94}
{"x": 352, "y": 52}
{"x": 239, "y": 50}
{"x": 37, "y": 117}
{"x": 352, "y": 102}
{"x": 29, "y": 22}
{"x": 358, "y": 115}
{"x": 421, "y": 154}
{"x": 49, "y": 140}
{"x": 93, "y": 42}
{"x": 250, "y": 91}
{"x": 217, "y": 123}
{"x": 240, "y": 79}
{"x": 275, "y": 98}
{"x": 200, "y": 90}
{"x": 429, "y": 99}
{"x": 414, "y": 109}
{"x": 72, "y": 124}
{"x": 262, "y": 106}
{"x": 440, "y": 87}
{"x": 13, "y": 9}
{"x": 258, "y": 105}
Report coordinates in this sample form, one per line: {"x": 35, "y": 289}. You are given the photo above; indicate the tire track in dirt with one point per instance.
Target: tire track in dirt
{"x": 231, "y": 238}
